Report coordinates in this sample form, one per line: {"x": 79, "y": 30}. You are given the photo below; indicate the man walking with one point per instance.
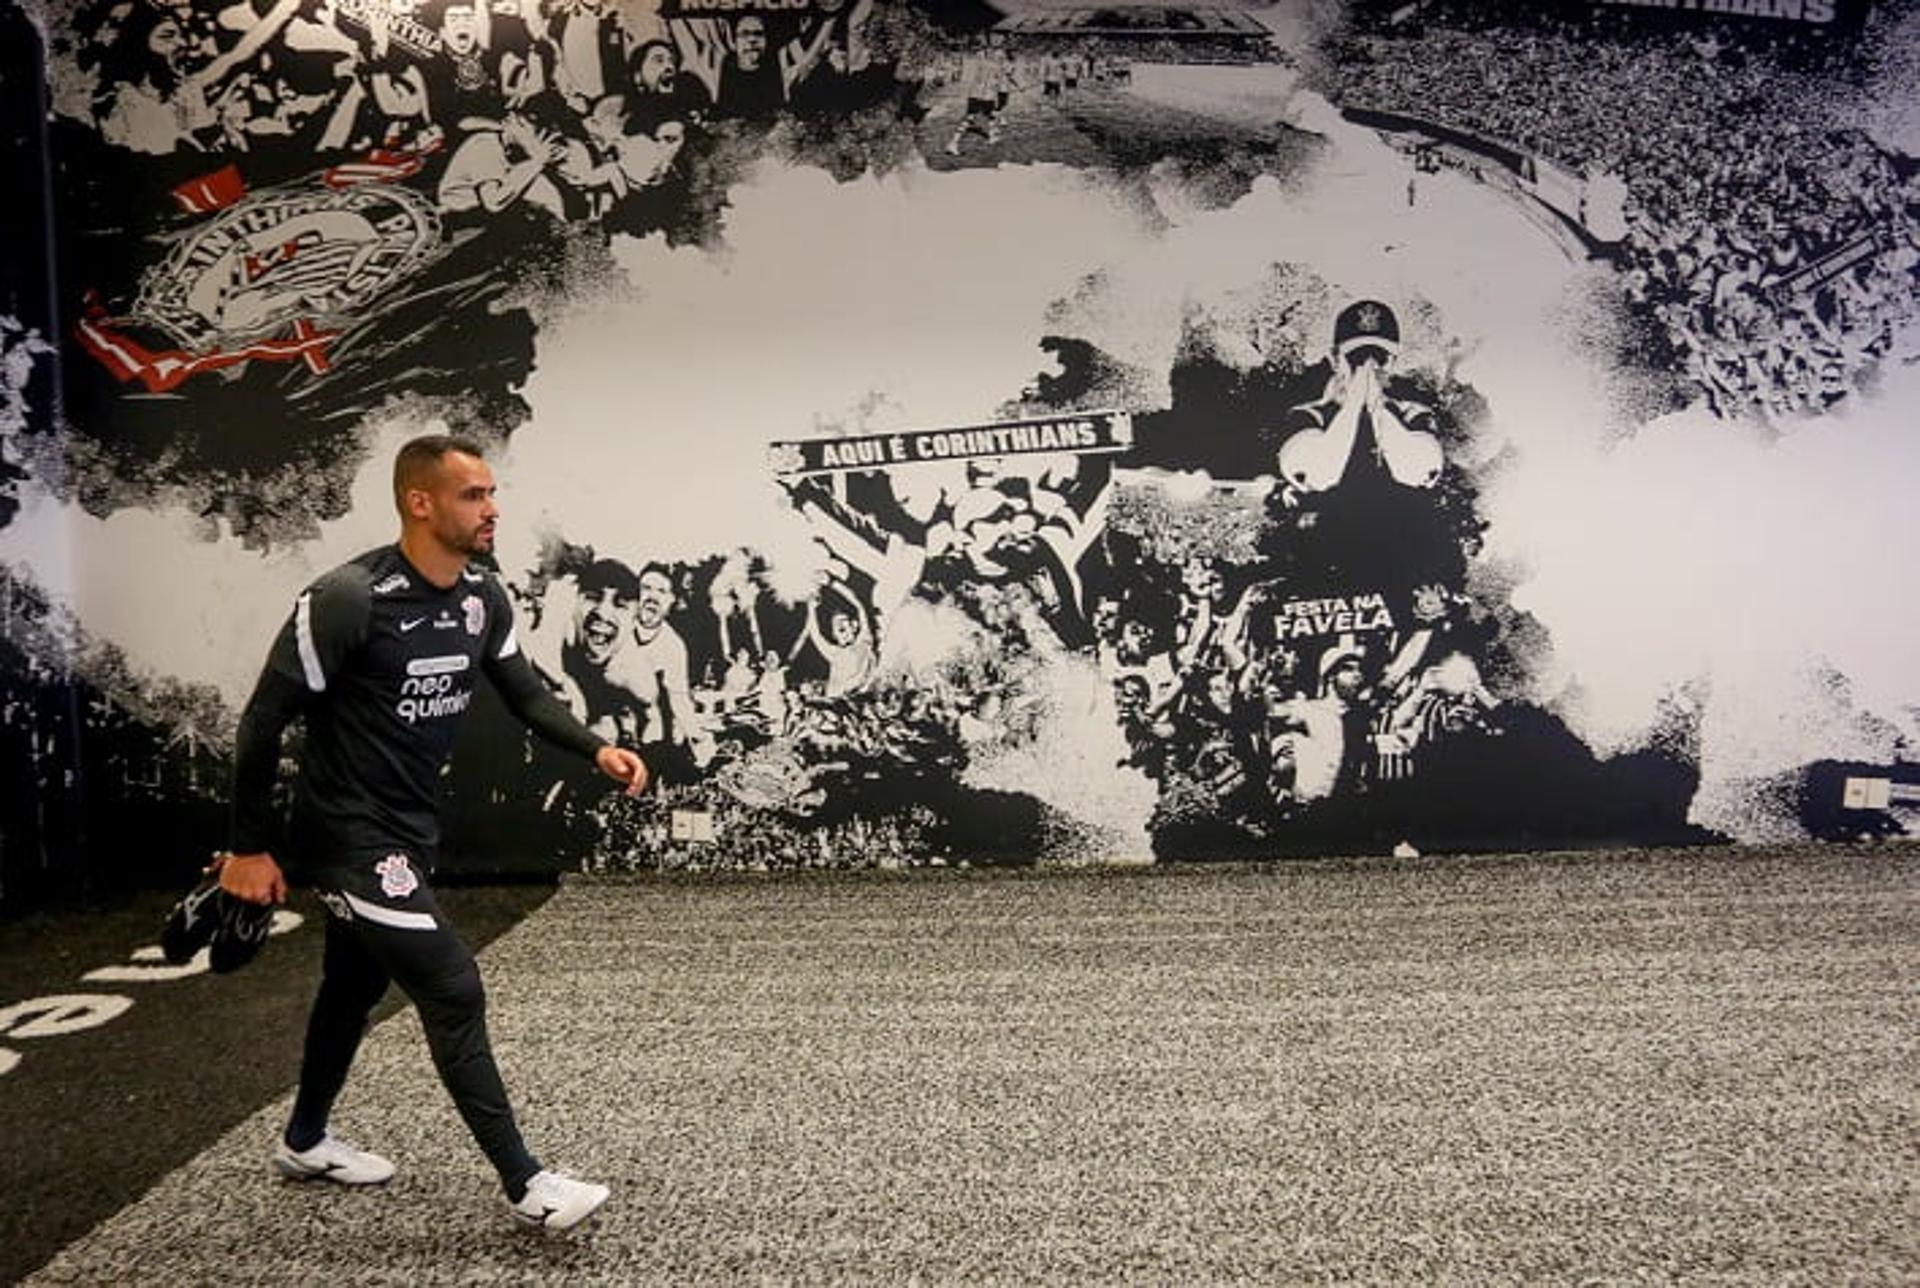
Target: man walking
{"x": 379, "y": 659}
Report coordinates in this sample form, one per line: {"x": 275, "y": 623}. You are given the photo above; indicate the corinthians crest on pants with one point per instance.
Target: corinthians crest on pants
{"x": 397, "y": 877}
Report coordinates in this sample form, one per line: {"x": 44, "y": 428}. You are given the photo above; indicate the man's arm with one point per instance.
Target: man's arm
{"x": 329, "y": 621}
{"x": 533, "y": 703}
{"x": 250, "y": 872}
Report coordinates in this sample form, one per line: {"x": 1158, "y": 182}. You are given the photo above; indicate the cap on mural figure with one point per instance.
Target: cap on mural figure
{"x": 1344, "y": 650}
{"x": 1364, "y": 323}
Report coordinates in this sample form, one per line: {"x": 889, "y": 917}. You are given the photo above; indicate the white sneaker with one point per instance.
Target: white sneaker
{"x": 558, "y": 1202}
{"x": 332, "y": 1159}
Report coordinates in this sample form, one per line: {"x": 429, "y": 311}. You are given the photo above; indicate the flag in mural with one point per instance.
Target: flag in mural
{"x": 1018, "y": 432}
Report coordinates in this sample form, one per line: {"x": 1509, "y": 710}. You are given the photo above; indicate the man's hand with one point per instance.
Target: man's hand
{"x": 622, "y": 766}
{"x": 254, "y": 878}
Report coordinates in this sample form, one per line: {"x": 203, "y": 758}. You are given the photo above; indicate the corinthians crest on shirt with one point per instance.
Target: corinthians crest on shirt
{"x": 265, "y": 277}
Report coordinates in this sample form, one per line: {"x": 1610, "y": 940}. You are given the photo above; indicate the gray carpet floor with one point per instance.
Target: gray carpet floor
{"x": 1698, "y": 1066}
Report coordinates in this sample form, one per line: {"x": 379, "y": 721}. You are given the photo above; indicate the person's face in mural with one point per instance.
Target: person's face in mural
{"x": 1130, "y": 693}
{"x": 671, "y": 135}
{"x": 1135, "y": 644}
{"x": 1346, "y": 680}
{"x": 843, "y": 628}
{"x": 1281, "y": 767}
{"x": 459, "y": 508}
{"x": 460, "y": 29}
{"x": 1429, "y": 603}
{"x": 999, "y": 529}
{"x": 658, "y": 67}
{"x": 1800, "y": 383}
{"x": 167, "y": 42}
{"x": 1220, "y": 692}
{"x": 1201, "y": 579}
{"x": 655, "y": 602}
{"x": 598, "y": 616}
{"x": 750, "y": 42}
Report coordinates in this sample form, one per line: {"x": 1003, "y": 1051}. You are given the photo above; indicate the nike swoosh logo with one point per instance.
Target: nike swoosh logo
{"x": 409, "y": 625}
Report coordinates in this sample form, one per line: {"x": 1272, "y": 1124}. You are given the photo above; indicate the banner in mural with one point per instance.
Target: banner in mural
{"x": 997, "y": 433}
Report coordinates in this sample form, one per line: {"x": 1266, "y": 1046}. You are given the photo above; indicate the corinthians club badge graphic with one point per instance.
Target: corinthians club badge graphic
{"x": 263, "y": 279}
{"x": 396, "y": 876}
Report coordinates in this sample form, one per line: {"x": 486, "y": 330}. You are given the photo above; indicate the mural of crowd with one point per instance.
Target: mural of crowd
{"x": 578, "y": 92}
{"x": 316, "y": 159}
{"x": 1264, "y": 697}
{"x": 1771, "y": 241}
{"x": 1310, "y": 671}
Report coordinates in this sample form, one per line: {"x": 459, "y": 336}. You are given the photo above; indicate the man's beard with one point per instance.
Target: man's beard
{"x": 476, "y": 542}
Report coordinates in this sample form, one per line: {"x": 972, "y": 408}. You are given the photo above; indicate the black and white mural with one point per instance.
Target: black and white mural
{"x": 945, "y": 432}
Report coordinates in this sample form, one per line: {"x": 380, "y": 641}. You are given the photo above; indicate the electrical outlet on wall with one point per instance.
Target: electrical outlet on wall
{"x": 1867, "y": 793}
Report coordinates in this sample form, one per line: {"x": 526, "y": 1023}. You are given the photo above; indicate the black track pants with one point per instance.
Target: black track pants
{"x": 384, "y": 926}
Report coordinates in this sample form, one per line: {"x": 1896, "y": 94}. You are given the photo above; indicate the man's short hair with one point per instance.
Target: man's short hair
{"x": 418, "y": 461}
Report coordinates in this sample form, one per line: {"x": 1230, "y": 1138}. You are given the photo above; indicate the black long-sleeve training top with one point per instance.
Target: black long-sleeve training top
{"x": 381, "y": 664}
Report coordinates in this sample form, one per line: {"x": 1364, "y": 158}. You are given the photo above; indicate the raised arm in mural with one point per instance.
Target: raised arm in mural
{"x": 502, "y": 163}
{"x": 840, "y": 630}
{"x": 150, "y": 99}
{"x": 829, "y": 50}
{"x": 591, "y": 51}
{"x": 750, "y": 83}
{"x": 1032, "y": 525}
{"x": 826, "y": 56}
{"x": 377, "y": 90}
{"x": 1210, "y": 634}
{"x": 593, "y": 163}
{"x": 893, "y": 561}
